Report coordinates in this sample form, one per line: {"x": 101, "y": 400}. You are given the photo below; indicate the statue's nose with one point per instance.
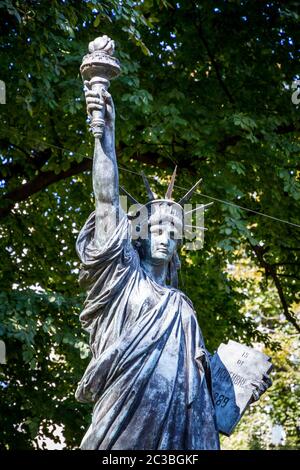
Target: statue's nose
{"x": 164, "y": 239}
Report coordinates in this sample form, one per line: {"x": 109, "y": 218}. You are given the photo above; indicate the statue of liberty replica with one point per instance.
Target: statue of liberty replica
{"x": 152, "y": 382}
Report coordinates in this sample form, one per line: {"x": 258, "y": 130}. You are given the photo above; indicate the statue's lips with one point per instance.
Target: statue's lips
{"x": 163, "y": 250}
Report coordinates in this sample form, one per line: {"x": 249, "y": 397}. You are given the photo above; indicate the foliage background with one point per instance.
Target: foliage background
{"x": 206, "y": 85}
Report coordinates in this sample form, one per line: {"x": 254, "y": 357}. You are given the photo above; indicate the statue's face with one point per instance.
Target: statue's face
{"x": 161, "y": 243}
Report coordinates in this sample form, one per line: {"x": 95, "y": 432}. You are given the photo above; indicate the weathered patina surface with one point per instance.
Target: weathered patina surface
{"x": 149, "y": 376}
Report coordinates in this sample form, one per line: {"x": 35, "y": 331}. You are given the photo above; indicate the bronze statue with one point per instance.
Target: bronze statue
{"x": 149, "y": 377}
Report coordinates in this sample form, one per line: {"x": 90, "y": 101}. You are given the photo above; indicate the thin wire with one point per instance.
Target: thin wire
{"x": 222, "y": 201}
{"x": 181, "y": 187}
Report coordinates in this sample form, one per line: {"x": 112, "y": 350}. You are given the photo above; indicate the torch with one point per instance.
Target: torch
{"x": 99, "y": 67}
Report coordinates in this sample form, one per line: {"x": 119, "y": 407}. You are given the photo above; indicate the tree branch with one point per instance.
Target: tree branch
{"x": 34, "y": 161}
{"x": 41, "y": 181}
{"x": 215, "y": 64}
{"x": 287, "y": 263}
{"x": 45, "y": 179}
{"x": 271, "y": 271}
{"x": 289, "y": 275}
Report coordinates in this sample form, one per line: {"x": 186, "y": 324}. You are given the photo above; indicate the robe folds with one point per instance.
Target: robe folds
{"x": 149, "y": 376}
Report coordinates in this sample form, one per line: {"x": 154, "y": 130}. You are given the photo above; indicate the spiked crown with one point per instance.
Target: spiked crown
{"x": 166, "y": 209}
{"x": 159, "y": 211}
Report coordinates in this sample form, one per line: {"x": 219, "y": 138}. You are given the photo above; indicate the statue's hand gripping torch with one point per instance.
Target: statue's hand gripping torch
{"x": 98, "y": 68}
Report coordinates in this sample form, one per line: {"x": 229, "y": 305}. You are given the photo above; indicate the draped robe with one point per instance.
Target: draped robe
{"x": 149, "y": 376}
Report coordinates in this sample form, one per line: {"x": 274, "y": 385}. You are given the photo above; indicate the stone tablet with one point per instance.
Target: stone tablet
{"x": 234, "y": 366}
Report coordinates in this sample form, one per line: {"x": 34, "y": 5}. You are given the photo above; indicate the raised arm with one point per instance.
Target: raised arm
{"x": 105, "y": 170}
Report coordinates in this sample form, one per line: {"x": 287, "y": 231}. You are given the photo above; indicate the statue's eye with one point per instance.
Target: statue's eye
{"x": 160, "y": 231}
{"x": 172, "y": 234}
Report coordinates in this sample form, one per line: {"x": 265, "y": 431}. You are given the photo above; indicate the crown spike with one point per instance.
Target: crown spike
{"x": 195, "y": 226}
{"x": 189, "y": 194}
{"x": 168, "y": 194}
{"x": 131, "y": 198}
{"x": 150, "y": 194}
{"x": 203, "y": 206}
